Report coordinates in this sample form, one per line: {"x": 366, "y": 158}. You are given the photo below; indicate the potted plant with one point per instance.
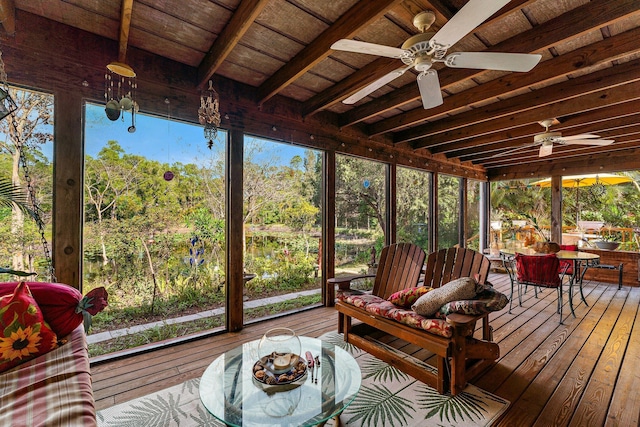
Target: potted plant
{"x": 545, "y": 246}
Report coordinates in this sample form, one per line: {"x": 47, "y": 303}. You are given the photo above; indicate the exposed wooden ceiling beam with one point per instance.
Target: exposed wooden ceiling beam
{"x": 625, "y": 139}
{"x": 606, "y": 162}
{"x": 350, "y": 85}
{"x": 245, "y": 14}
{"x": 554, "y": 31}
{"x": 608, "y": 49}
{"x": 8, "y": 16}
{"x": 596, "y": 121}
{"x": 532, "y": 105}
{"x": 409, "y": 93}
{"x": 125, "y": 24}
{"x": 360, "y": 15}
{"x": 376, "y": 69}
{"x": 562, "y": 162}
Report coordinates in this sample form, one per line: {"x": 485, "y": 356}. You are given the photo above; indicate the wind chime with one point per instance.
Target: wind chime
{"x": 209, "y": 113}
{"x": 119, "y": 92}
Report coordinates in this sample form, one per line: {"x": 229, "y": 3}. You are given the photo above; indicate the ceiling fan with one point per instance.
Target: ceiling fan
{"x": 547, "y": 139}
{"x": 422, "y": 50}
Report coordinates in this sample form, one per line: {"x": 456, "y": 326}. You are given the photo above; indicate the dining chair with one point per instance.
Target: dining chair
{"x": 568, "y": 266}
{"x": 540, "y": 271}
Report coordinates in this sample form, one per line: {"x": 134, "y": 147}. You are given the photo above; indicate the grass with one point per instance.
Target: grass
{"x": 169, "y": 331}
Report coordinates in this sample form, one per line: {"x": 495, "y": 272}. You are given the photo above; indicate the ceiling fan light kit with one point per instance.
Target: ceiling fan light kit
{"x": 422, "y": 50}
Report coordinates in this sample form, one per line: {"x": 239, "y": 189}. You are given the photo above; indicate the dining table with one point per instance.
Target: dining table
{"x": 581, "y": 262}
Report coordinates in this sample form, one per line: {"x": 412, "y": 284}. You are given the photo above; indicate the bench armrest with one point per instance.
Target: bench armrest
{"x": 344, "y": 282}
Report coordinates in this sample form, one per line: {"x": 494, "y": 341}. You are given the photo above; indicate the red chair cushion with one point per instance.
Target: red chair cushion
{"x": 538, "y": 270}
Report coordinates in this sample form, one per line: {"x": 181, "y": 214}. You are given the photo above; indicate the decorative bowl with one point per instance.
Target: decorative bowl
{"x": 610, "y": 246}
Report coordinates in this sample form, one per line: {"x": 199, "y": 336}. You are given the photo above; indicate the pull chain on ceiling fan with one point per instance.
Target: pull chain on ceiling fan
{"x": 422, "y": 50}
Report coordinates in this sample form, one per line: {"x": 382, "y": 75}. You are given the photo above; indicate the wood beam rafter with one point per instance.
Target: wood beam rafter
{"x": 360, "y": 15}
{"x": 409, "y": 93}
{"x": 244, "y": 16}
{"x": 566, "y": 27}
{"x": 125, "y": 25}
{"x": 8, "y": 16}
{"x": 624, "y": 141}
{"x": 596, "y": 121}
{"x": 551, "y": 101}
{"x": 607, "y": 162}
{"x": 607, "y": 50}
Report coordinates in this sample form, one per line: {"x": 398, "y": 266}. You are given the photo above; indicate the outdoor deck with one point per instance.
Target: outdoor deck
{"x": 580, "y": 373}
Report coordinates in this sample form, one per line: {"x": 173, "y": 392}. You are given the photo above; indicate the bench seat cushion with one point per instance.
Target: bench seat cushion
{"x": 357, "y": 298}
{"x": 411, "y": 318}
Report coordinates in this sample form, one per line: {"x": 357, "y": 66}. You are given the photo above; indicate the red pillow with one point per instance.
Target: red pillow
{"x": 25, "y": 335}
{"x": 61, "y": 304}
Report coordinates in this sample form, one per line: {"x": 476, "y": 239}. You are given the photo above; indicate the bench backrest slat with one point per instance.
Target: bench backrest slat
{"x": 449, "y": 264}
{"x": 399, "y": 267}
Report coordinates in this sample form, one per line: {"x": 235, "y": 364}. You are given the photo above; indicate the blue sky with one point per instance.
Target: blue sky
{"x": 166, "y": 141}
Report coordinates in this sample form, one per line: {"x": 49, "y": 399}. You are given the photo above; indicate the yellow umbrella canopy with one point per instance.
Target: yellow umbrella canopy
{"x": 577, "y": 181}
{"x": 574, "y": 181}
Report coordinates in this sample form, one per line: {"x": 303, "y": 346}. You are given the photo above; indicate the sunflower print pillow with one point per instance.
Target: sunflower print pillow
{"x": 24, "y": 334}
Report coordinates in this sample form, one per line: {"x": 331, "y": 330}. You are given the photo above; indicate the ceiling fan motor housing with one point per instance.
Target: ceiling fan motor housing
{"x": 546, "y": 137}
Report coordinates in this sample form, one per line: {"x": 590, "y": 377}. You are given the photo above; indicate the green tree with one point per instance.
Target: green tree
{"x": 26, "y": 131}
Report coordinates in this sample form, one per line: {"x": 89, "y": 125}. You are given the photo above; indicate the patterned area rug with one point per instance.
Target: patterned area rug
{"x": 387, "y": 397}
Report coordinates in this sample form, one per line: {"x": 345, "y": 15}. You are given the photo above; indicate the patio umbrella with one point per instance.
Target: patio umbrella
{"x": 577, "y": 181}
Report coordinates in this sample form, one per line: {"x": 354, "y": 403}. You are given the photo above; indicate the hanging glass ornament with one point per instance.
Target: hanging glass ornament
{"x": 597, "y": 190}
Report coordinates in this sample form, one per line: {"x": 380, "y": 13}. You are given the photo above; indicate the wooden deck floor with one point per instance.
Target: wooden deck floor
{"x": 581, "y": 373}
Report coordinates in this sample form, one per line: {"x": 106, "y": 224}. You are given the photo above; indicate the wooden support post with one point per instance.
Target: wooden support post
{"x": 68, "y": 188}
{"x": 234, "y": 230}
{"x": 556, "y": 209}
{"x": 328, "y": 225}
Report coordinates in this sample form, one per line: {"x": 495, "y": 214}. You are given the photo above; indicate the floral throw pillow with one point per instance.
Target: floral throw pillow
{"x": 24, "y": 333}
{"x": 406, "y": 297}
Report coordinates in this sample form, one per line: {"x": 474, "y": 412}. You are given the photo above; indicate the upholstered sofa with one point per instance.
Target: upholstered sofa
{"x": 45, "y": 378}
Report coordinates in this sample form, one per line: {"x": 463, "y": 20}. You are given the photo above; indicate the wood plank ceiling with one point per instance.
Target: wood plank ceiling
{"x": 588, "y": 78}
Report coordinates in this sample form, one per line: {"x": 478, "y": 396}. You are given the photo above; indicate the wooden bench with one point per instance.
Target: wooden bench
{"x": 458, "y": 358}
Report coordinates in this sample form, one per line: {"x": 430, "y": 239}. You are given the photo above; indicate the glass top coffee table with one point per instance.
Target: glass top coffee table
{"x": 231, "y": 394}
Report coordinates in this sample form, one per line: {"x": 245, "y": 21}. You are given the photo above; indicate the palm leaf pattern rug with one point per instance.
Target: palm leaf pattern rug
{"x": 387, "y": 397}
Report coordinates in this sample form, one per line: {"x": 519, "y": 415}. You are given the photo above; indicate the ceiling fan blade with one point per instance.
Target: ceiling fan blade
{"x": 588, "y": 142}
{"x": 545, "y": 150}
{"x": 513, "y": 150}
{"x": 371, "y": 87}
{"x": 493, "y": 61}
{"x": 429, "y": 89}
{"x": 581, "y": 136}
{"x": 368, "y": 48}
{"x": 472, "y": 14}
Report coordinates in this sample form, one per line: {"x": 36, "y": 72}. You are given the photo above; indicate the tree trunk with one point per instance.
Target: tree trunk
{"x": 17, "y": 217}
